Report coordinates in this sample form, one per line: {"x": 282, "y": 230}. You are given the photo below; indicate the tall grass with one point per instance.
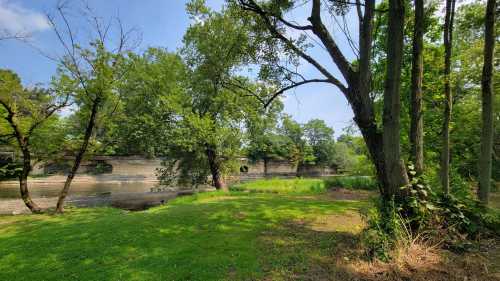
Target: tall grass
{"x": 351, "y": 182}
{"x": 275, "y": 185}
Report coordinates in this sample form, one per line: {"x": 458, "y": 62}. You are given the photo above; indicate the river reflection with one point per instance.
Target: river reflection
{"x": 37, "y": 190}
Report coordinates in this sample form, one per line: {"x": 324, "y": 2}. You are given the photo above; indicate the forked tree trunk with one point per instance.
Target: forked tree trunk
{"x": 215, "y": 169}
{"x": 416, "y": 126}
{"x": 391, "y": 172}
{"x": 79, "y": 156}
{"x": 395, "y": 170}
{"x": 364, "y": 115}
{"x": 23, "y": 183}
{"x": 445, "y": 153}
{"x": 487, "y": 105}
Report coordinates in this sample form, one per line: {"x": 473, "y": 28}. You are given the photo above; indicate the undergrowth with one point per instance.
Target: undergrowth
{"x": 427, "y": 217}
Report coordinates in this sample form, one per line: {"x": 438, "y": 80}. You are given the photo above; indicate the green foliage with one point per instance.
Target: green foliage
{"x": 445, "y": 217}
{"x": 467, "y": 62}
{"x": 351, "y": 155}
{"x": 351, "y": 182}
{"x": 282, "y": 186}
{"x": 320, "y": 138}
{"x": 34, "y": 116}
{"x": 419, "y": 203}
{"x": 151, "y": 95}
{"x": 212, "y": 111}
{"x": 10, "y": 170}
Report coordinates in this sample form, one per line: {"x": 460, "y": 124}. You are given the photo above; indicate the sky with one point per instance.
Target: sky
{"x": 160, "y": 23}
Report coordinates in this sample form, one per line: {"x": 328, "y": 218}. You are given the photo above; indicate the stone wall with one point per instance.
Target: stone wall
{"x": 134, "y": 168}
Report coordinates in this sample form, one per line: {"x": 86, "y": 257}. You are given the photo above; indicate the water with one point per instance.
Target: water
{"x": 78, "y": 189}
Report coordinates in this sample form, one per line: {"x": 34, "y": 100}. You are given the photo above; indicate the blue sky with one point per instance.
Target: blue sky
{"x": 162, "y": 23}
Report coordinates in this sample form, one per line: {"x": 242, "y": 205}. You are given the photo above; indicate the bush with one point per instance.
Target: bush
{"x": 351, "y": 182}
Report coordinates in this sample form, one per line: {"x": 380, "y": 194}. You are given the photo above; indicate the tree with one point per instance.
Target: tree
{"x": 91, "y": 74}
{"x": 487, "y": 104}
{"x": 448, "y": 43}
{"x": 417, "y": 72}
{"x": 26, "y": 112}
{"x": 357, "y": 74}
{"x": 263, "y": 137}
{"x": 395, "y": 169}
{"x": 208, "y": 131}
{"x": 320, "y": 137}
{"x": 150, "y": 92}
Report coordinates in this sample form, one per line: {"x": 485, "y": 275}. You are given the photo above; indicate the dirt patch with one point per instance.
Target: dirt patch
{"x": 347, "y": 222}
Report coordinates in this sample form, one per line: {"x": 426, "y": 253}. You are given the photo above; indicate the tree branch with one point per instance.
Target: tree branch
{"x": 251, "y": 5}
{"x": 281, "y": 91}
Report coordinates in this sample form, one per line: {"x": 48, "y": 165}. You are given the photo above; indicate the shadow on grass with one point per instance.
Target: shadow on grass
{"x": 208, "y": 237}
{"x": 296, "y": 251}
{"x": 205, "y": 239}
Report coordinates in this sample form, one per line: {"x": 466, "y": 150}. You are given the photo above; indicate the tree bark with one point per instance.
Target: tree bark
{"x": 416, "y": 126}
{"x": 395, "y": 171}
{"x": 487, "y": 105}
{"x": 215, "y": 169}
{"x": 23, "y": 183}
{"x": 79, "y": 156}
{"x": 361, "y": 103}
{"x": 445, "y": 153}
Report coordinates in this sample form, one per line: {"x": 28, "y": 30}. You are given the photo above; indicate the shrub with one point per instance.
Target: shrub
{"x": 351, "y": 182}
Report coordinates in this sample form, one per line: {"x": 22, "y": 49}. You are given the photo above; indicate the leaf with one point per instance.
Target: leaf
{"x": 430, "y": 206}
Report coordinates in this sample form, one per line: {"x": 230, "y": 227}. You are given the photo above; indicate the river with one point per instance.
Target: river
{"x": 78, "y": 189}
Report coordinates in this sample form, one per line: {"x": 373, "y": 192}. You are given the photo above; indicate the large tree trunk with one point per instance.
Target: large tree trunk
{"x": 416, "y": 126}
{"x": 445, "y": 153}
{"x": 215, "y": 169}
{"x": 23, "y": 183}
{"x": 374, "y": 142}
{"x": 390, "y": 170}
{"x": 487, "y": 104}
{"x": 79, "y": 156}
{"x": 395, "y": 171}
{"x": 363, "y": 108}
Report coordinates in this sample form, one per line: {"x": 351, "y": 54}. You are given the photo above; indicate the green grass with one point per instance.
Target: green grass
{"x": 212, "y": 236}
{"x": 282, "y": 186}
{"x": 351, "y": 182}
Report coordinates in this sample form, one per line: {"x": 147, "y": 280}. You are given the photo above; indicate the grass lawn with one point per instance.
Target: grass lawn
{"x": 298, "y": 235}
{"x": 204, "y": 237}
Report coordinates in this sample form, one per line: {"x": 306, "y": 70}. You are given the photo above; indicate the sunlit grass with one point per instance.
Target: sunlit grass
{"x": 212, "y": 236}
{"x": 282, "y": 186}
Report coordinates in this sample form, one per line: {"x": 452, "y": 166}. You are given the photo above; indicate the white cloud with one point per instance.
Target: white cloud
{"x": 15, "y": 19}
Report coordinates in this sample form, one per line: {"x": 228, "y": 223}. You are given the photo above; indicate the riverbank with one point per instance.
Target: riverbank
{"x": 127, "y": 201}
